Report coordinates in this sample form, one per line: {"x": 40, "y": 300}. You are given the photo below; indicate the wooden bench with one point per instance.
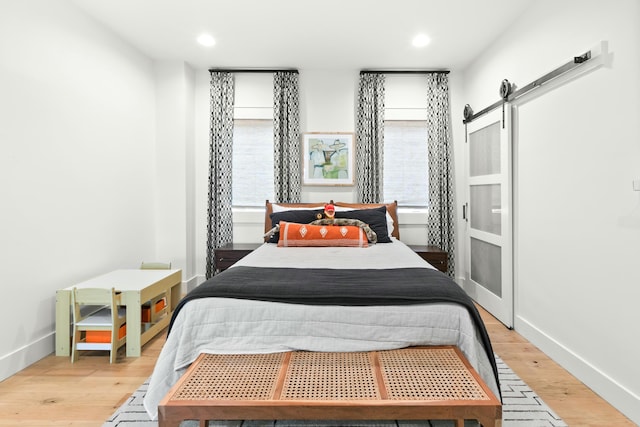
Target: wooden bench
{"x": 416, "y": 383}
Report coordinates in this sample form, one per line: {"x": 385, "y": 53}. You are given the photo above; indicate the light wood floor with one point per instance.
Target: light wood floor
{"x": 570, "y": 399}
{"x": 54, "y": 392}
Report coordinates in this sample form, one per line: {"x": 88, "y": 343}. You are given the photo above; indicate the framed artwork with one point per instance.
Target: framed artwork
{"x": 328, "y": 158}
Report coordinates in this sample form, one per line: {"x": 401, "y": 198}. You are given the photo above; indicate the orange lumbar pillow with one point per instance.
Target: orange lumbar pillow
{"x": 293, "y": 234}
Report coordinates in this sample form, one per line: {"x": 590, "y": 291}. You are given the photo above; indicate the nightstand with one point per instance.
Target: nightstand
{"x": 231, "y": 253}
{"x": 433, "y": 255}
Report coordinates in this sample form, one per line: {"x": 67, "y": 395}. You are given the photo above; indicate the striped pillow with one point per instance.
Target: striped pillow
{"x": 293, "y": 234}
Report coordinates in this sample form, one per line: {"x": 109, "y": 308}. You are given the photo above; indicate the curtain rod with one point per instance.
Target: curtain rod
{"x": 404, "y": 72}
{"x": 252, "y": 70}
{"x": 294, "y": 70}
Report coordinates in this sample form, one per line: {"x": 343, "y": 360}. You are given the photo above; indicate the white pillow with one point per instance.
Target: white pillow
{"x": 279, "y": 208}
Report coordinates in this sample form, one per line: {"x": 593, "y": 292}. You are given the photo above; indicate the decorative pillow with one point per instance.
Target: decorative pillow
{"x": 391, "y": 213}
{"x": 371, "y": 235}
{"x": 292, "y": 234}
{"x": 301, "y": 216}
{"x": 375, "y": 217}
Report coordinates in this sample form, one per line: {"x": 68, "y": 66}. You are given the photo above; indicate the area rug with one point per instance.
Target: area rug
{"x": 521, "y": 408}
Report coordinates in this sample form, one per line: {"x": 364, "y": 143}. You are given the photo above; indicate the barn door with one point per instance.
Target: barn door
{"x": 488, "y": 214}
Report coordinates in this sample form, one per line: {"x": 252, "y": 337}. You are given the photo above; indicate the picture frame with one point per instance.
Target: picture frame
{"x": 328, "y": 158}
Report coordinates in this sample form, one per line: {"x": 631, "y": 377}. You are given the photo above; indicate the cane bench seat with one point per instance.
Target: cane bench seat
{"x": 415, "y": 383}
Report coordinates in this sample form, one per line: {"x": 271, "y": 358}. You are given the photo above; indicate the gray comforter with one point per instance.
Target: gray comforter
{"x": 343, "y": 287}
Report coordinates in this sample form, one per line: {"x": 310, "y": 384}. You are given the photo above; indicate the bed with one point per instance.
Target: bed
{"x": 331, "y": 298}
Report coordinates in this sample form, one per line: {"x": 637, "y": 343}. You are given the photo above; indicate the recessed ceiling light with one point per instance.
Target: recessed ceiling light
{"x": 206, "y": 40}
{"x": 421, "y": 40}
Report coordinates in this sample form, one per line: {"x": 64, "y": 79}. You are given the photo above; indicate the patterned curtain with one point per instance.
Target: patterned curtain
{"x": 286, "y": 137}
{"x": 369, "y": 137}
{"x": 441, "y": 224}
{"x": 220, "y": 222}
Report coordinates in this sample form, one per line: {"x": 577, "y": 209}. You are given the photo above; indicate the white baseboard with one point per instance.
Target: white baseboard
{"x": 192, "y": 283}
{"x": 623, "y": 399}
{"x": 21, "y": 358}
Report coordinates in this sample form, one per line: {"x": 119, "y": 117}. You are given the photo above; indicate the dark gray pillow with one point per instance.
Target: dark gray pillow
{"x": 300, "y": 216}
{"x": 375, "y": 217}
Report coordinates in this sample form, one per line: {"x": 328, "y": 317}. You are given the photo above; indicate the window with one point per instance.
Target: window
{"x": 252, "y": 167}
{"x": 406, "y": 172}
{"x": 406, "y": 162}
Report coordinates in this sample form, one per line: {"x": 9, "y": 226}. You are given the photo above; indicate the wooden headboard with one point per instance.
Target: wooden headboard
{"x": 392, "y": 209}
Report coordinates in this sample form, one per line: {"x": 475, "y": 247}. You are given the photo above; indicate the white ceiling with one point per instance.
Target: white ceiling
{"x": 345, "y": 34}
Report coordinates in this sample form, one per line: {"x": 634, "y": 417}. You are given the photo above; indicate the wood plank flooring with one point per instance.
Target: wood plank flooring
{"x": 54, "y": 392}
{"x": 569, "y": 398}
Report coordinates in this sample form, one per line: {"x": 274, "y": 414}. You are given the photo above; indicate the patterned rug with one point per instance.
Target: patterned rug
{"x": 521, "y": 408}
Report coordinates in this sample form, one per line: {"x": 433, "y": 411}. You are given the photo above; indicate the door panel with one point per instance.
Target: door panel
{"x": 486, "y": 265}
{"x": 486, "y": 215}
{"x": 489, "y": 246}
{"x": 485, "y": 151}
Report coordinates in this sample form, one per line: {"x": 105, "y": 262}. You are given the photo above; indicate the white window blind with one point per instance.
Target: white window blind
{"x": 252, "y": 169}
{"x": 406, "y": 168}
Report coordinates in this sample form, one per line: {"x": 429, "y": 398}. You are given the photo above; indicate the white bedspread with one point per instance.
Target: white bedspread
{"x": 222, "y": 325}
{"x": 379, "y": 256}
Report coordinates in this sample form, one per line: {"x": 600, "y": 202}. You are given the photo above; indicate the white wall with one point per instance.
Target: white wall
{"x": 327, "y": 104}
{"x": 577, "y": 229}
{"x": 175, "y": 166}
{"x": 202, "y": 123}
{"x": 76, "y": 165}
